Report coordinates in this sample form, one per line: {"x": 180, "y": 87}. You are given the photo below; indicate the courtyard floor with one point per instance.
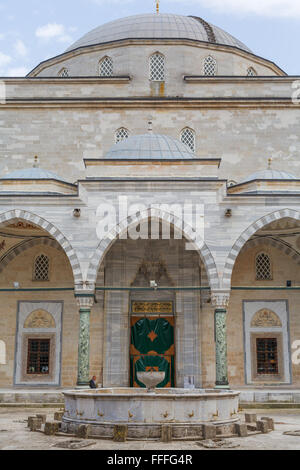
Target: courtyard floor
{"x": 14, "y": 434}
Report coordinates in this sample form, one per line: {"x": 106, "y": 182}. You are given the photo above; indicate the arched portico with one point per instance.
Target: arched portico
{"x": 15, "y": 215}
{"x": 247, "y": 234}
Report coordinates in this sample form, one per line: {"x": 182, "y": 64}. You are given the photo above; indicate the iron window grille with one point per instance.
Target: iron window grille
{"x": 38, "y": 359}
{"x": 210, "y": 66}
{"x": 157, "y": 68}
{"x": 187, "y": 137}
{"x": 41, "y": 268}
{"x": 267, "y": 356}
{"x": 121, "y": 134}
{"x": 263, "y": 267}
{"x": 106, "y": 67}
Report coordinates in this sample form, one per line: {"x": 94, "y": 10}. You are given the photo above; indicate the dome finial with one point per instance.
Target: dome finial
{"x": 269, "y": 163}
{"x": 36, "y": 162}
{"x": 157, "y": 6}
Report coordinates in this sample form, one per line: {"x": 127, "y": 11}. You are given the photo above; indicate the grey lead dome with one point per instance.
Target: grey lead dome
{"x": 162, "y": 26}
{"x": 150, "y": 147}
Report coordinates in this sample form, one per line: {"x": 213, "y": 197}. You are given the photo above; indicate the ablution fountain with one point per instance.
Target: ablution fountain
{"x": 146, "y": 410}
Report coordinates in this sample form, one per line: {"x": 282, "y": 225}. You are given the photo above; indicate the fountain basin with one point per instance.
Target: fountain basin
{"x": 144, "y": 413}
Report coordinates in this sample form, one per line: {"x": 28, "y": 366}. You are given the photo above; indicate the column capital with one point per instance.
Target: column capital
{"x": 85, "y": 301}
{"x": 220, "y": 298}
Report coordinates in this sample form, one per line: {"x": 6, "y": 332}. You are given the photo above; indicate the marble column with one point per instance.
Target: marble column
{"x": 220, "y": 301}
{"x": 85, "y": 304}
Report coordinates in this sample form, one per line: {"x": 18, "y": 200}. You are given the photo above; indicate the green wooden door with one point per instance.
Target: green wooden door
{"x": 152, "y": 348}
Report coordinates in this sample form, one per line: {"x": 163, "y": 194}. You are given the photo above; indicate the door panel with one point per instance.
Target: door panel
{"x": 152, "y": 348}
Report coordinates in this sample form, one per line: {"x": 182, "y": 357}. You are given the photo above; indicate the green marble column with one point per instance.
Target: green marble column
{"x": 84, "y": 347}
{"x": 221, "y": 348}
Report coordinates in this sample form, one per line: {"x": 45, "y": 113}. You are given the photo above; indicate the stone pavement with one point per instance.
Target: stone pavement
{"x": 14, "y": 434}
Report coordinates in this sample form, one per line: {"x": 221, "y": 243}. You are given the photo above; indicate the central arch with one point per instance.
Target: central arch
{"x": 158, "y": 214}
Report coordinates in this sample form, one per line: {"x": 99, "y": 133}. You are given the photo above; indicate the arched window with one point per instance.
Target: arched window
{"x": 263, "y": 267}
{"x": 121, "y": 134}
{"x": 251, "y": 72}
{"x": 209, "y": 66}
{"x": 106, "y": 67}
{"x": 157, "y": 67}
{"x": 41, "y": 268}
{"x": 2, "y": 353}
{"x": 188, "y": 138}
{"x": 63, "y": 73}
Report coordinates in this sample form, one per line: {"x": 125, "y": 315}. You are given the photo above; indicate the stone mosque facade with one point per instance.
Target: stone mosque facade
{"x": 139, "y": 116}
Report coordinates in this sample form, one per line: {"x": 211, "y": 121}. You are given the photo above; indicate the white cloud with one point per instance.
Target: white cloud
{"x": 17, "y": 72}
{"x": 271, "y": 8}
{"x": 50, "y": 30}
{"x": 4, "y": 59}
{"x": 55, "y": 31}
{"x": 20, "y": 48}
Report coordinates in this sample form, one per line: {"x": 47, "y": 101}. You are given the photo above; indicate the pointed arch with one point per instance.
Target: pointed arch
{"x": 106, "y": 67}
{"x": 26, "y": 245}
{"x": 154, "y": 213}
{"x": 251, "y": 72}
{"x": 188, "y": 137}
{"x": 121, "y": 134}
{"x": 157, "y": 64}
{"x": 247, "y": 234}
{"x": 209, "y": 66}
{"x": 64, "y": 73}
{"x": 17, "y": 214}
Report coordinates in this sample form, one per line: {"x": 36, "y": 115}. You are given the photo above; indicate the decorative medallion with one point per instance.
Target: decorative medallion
{"x": 40, "y": 319}
{"x": 265, "y": 318}
{"x": 152, "y": 336}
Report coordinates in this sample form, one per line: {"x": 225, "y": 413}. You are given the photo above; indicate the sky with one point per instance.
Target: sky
{"x": 33, "y": 30}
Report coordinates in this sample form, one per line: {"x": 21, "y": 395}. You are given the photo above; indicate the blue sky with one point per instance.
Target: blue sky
{"x": 34, "y": 30}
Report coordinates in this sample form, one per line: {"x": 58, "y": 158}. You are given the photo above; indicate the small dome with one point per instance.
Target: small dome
{"x": 31, "y": 174}
{"x": 150, "y": 147}
{"x": 162, "y": 26}
{"x": 269, "y": 174}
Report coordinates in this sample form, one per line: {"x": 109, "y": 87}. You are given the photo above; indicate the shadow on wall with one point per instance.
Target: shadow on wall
{"x": 2, "y": 353}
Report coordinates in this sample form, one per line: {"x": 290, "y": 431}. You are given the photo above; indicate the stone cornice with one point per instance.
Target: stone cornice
{"x": 66, "y": 80}
{"x": 144, "y": 102}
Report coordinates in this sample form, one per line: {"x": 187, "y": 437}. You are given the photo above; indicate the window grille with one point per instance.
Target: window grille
{"x": 187, "y": 137}
{"x": 157, "y": 68}
{"x": 121, "y": 134}
{"x": 41, "y": 268}
{"x": 106, "y": 67}
{"x": 64, "y": 73}
{"x": 251, "y": 72}
{"x": 38, "y": 358}
{"x": 263, "y": 267}
{"x": 267, "y": 356}
{"x": 210, "y": 66}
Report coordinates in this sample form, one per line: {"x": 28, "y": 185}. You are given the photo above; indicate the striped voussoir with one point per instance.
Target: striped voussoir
{"x": 34, "y": 219}
{"x": 244, "y": 238}
{"x": 154, "y": 213}
{"x": 26, "y": 245}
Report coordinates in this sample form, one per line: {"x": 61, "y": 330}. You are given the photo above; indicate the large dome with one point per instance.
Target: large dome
{"x": 162, "y": 26}
{"x": 150, "y": 147}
